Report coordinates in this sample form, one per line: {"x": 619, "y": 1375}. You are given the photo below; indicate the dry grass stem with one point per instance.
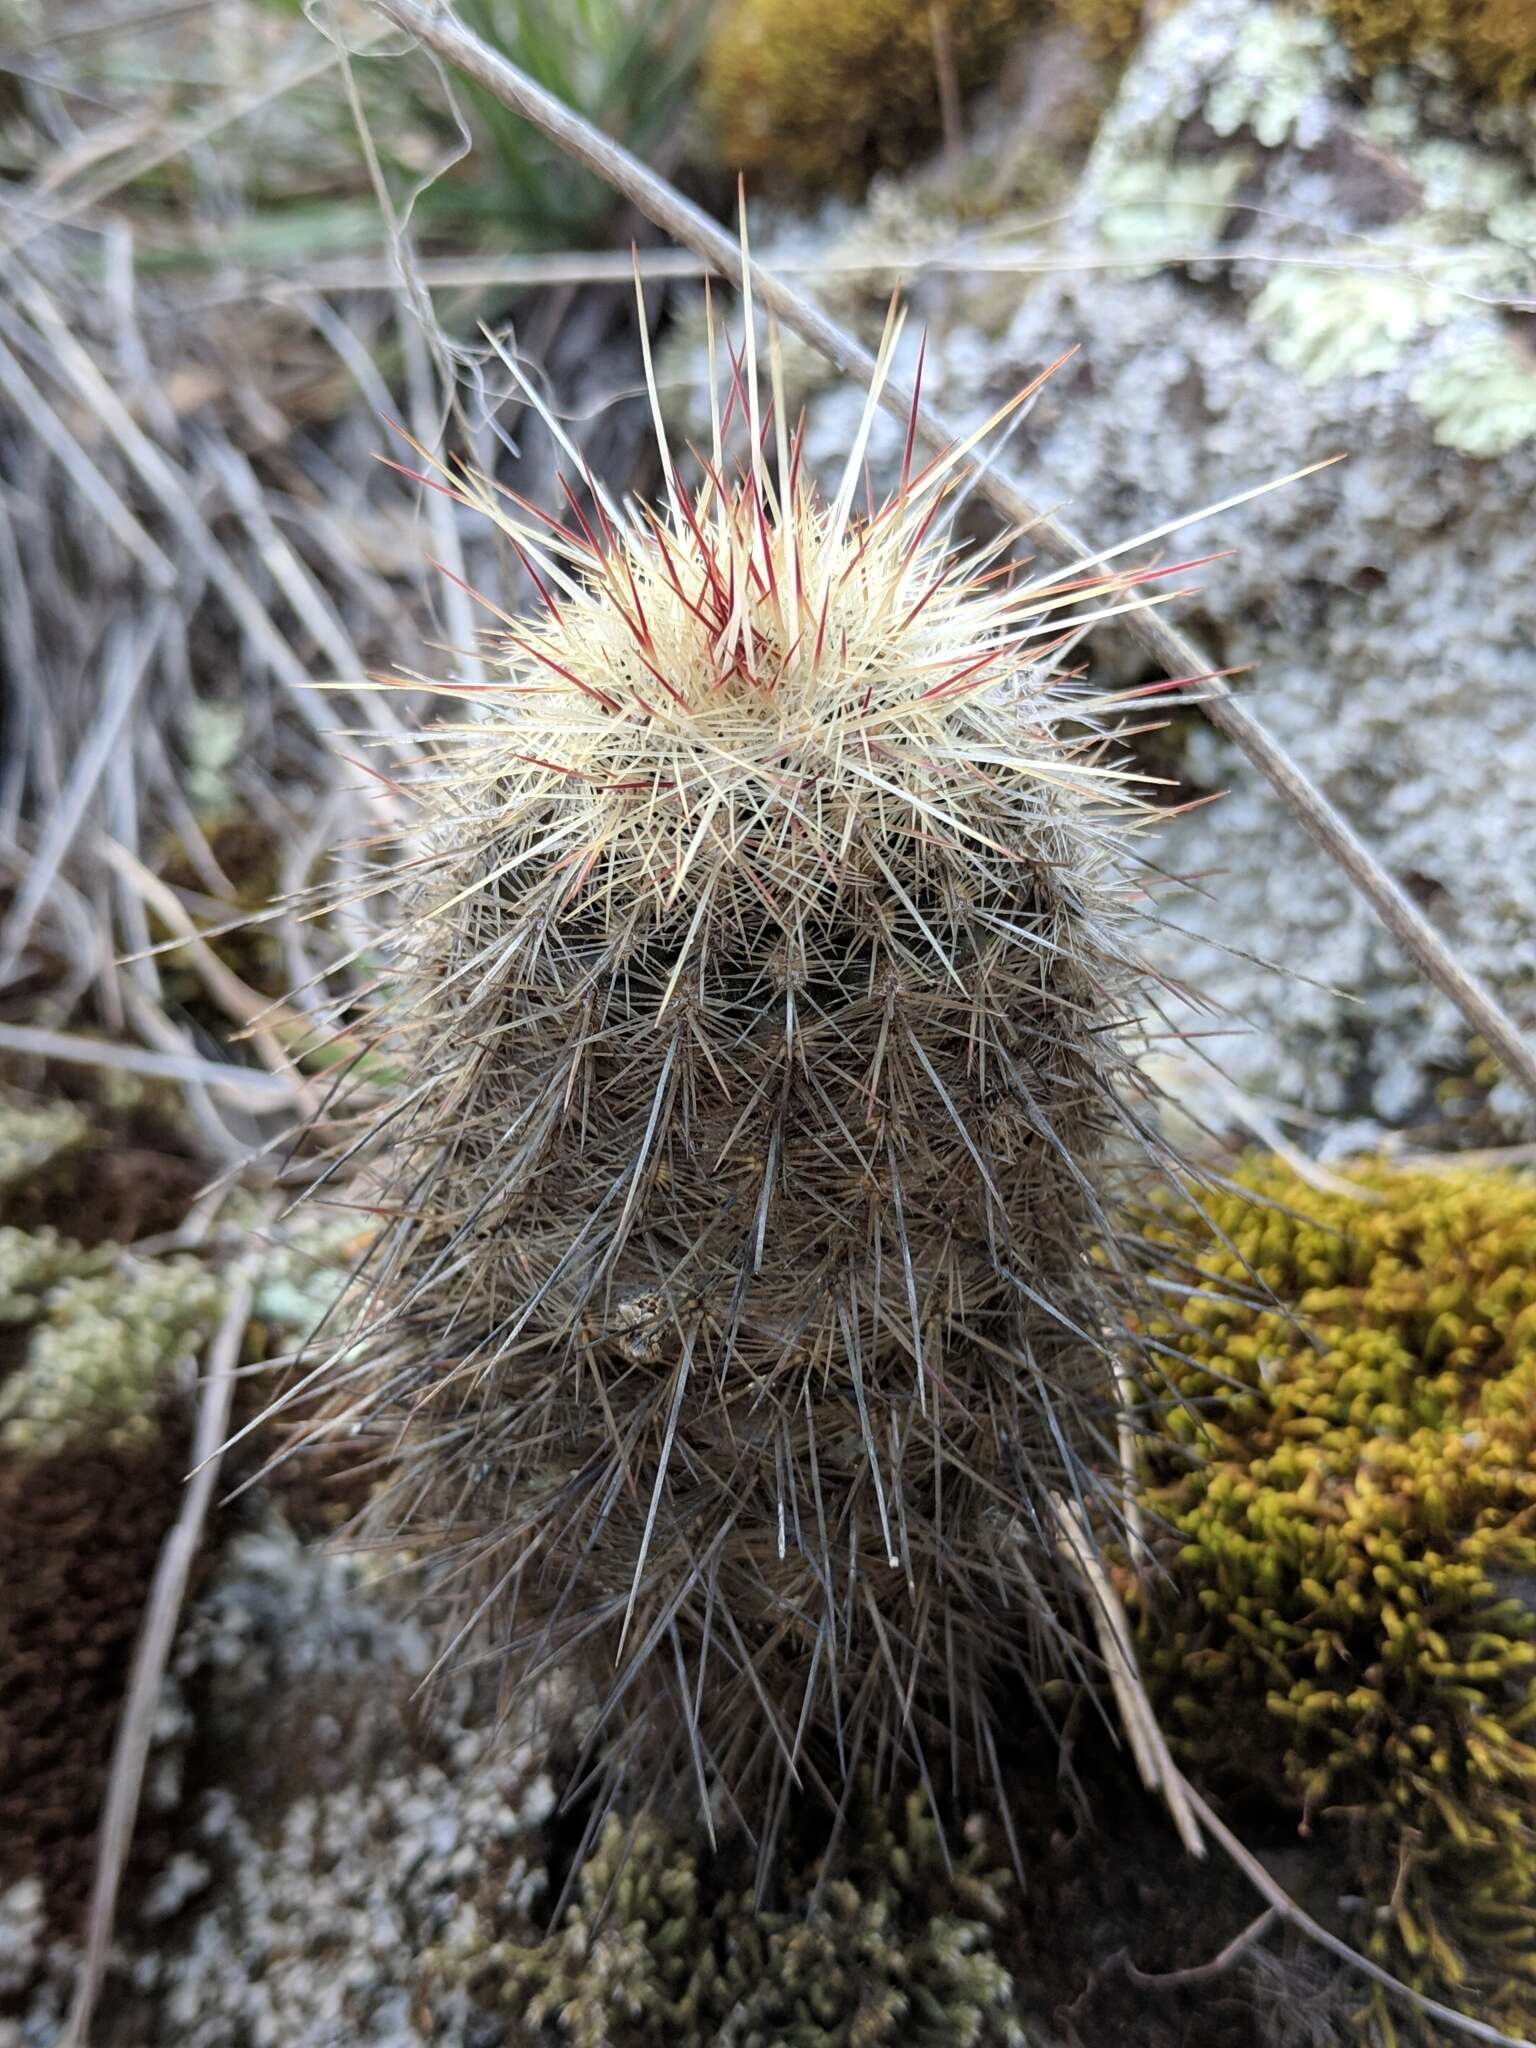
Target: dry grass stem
{"x": 161, "y": 1615}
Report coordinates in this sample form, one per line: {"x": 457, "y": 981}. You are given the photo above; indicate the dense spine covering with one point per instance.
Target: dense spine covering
{"x": 766, "y": 997}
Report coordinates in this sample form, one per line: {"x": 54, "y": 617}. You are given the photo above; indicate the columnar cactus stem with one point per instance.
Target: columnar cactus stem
{"x": 767, "y": 995}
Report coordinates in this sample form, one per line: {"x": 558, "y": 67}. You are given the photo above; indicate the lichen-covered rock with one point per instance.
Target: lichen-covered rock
{"x": 662, "y": 1949}
{"x": 1266, "y": 264}
{"x": 327, "y": 1834}
{"x": 1348, "y": 1485}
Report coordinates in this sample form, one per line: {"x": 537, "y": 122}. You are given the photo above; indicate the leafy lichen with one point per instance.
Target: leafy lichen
{"x": 1481, "y": 396}
{"x": 1145, "y": 204}
{"x": 1458, "y": 240}
{"x": 1327, "y": 323}
{"x": 1279, "y": 63}
{"x": 1350, "y": 1471}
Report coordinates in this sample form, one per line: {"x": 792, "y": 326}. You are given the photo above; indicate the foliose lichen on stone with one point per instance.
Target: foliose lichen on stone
{"x": 1378, "y": 605}
{"x": 1347, "y": 1477}
{"x": 1481, "y": 393}
{"x": 316, "y": 1835}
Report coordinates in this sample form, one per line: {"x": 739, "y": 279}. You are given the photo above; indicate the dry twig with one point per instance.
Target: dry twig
{"x": 259, "y": 1090}
{"x": 1154, "y": 1765}
{"x": 1286, "y": 1907}
{"x": 1201, "y": 1973}
{"x": 161, "y": 1614}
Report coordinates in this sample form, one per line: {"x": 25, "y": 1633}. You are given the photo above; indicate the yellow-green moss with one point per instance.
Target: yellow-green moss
{"x": 1111, "y": 26}
{"x": 43, "y": 1151}
{"x": 823, "y": 92}
{"x": 657, "y": 1949}
{"x": 36, "y": 1138}
{"x": 100, "y": 1331}
{"x": 1352, "y": 1482}
{"x": 1492, "y": 41}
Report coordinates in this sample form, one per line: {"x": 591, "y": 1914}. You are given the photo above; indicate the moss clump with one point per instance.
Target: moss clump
{"x": 658, "y": 1950}
{"x": 42, "y": 1148}
{"x": 820, "y": 94}
{"x": 32, "y": 1263}
{"x": 99, "y": 1333}
{"x": 107, "y": 1166}
{"x": 1493, "y": 42}
{"x": 1352, "y": 1478}
{"x": 1109, "y": 26}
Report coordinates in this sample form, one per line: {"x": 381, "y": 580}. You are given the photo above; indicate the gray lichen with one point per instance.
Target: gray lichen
{"x": 336, "y": 1842}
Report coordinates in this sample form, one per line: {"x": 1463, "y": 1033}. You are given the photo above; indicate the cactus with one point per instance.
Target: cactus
{"x": 764, "y": 988}
{"x": 1351, "y": 1478}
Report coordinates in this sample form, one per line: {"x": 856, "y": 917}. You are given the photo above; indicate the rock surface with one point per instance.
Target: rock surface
{"x": 328, "y": 1833}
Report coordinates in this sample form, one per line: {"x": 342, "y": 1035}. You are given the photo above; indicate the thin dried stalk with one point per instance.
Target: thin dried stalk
{"x": 1154, "y": 1764}
{"x": 1274, "y": 1895}
{"x": 163, "y": 1611}
{"x": 257, "y": 1091}
{"x": 1174, "y": 650}
{"x": 126, "y": 663}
